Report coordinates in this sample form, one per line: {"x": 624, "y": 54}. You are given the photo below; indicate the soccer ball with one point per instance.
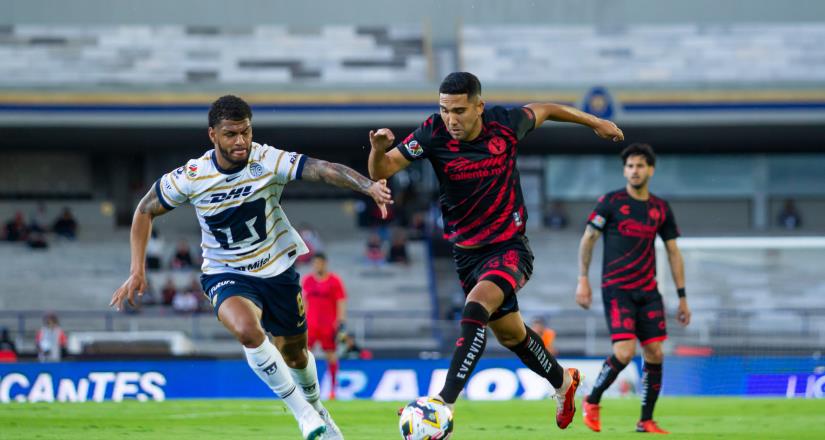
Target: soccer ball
{"x": 426, "y": 418}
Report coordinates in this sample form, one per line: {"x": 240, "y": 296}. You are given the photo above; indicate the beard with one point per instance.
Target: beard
{"x": 227, "y": 156}
{"x": 642, "y": 183}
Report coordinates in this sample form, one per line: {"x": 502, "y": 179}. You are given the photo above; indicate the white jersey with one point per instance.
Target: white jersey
{"x": 243, "y": 227}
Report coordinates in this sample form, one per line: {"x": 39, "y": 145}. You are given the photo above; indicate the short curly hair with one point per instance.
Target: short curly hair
{"x": 229, "y": 107}
{"x": 639, "y": 149}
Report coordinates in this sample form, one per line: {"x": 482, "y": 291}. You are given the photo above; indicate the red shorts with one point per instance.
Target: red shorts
{"x": 323, "y": 334}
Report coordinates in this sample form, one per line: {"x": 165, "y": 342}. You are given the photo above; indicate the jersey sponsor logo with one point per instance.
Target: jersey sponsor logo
{"x": 219, "y": 197}
{"x": 414, "y": 148}
{"x": 497, "y": 145}
{"x": 254, "y": 265}
{"x": 192, "y": 170}
{"x": 255, "y": 169}
{"x": 597, "y": 220}
{"x": 632, "y": 228}
{"x": 465, "y": 169}
{"x": 625, "y": 209}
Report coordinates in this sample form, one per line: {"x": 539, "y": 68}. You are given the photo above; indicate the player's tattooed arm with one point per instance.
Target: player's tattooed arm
{"x": 342, "y": 176}
{"x": 150, "y": 204}
{"x": 584, "y": 293}
{"x": 588, "y": 242}
{"x": 563, "y": 113}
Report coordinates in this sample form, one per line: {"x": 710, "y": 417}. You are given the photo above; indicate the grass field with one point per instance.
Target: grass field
{"x": 686, "y": 418}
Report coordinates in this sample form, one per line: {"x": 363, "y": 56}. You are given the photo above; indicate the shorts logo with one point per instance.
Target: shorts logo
{"x": 192, "y": 170}
{"x": 511, "y": 258}
{"x": 414, "y": 148}
{"x": 628, "y": 324}
{"x": 255, "y": 169}
{"x": 497, "y": 145}
{"x": 219, "y": 285}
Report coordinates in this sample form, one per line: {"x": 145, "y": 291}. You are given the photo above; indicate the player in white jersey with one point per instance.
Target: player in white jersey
{"x": 249, "y": 248}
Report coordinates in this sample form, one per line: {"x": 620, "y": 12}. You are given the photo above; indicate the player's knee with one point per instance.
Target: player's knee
{"x": 250, "y": 335}
{"x": 624, "y": 352}
{"x": 654, "y": 355}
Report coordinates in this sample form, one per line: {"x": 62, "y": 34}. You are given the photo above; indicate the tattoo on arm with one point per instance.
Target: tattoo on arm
{"x": 335, "y": 174}
{"x": 588, "y": 241}
{"x": 150, "y": 204}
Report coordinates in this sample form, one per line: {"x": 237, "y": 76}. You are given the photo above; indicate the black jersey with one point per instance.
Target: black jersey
{"x": 481, "y": 201}
{"x": 630, "y": 227}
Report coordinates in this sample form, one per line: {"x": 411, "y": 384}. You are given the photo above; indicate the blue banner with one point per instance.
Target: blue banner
{"x": 494, "y": 379}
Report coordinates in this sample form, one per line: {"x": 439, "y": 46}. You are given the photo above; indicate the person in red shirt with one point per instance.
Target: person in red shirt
{"x": 326, "y": 304}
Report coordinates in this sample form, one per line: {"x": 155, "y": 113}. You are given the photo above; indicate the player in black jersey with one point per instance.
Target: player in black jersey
{"x": 473, "y": 151}
{"x": 630, "y": 219}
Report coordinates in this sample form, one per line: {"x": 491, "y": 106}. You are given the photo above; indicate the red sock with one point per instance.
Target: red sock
{"x": 333, "y": 375}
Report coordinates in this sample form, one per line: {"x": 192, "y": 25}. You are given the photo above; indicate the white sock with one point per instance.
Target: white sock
{"x": 307, "y": 379}
{"x": 266, "y": 361}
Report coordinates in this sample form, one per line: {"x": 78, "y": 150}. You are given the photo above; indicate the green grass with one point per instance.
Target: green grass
{"x": 686, "y": 418}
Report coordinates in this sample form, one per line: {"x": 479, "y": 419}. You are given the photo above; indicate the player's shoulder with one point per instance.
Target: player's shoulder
{"x": 658, "y": 200}
{"x": 197, "y": 168}
{"x": 614, "y": 196}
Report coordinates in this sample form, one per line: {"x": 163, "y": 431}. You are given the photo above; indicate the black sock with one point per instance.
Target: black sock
{"x": 610, "y": 371}
{"x": 535, "y": 356}
{"x": 469, "y": 348}
{"x": 651, "y": 385}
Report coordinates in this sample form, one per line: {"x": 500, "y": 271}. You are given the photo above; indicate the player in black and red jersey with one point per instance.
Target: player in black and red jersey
{"x": 630, "y": 219}
{"x": 473, "y": 151}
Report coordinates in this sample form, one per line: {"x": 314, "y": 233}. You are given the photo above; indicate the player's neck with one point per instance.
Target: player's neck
{"x": 322, "y": 275}
{"x": 641, "y": 194}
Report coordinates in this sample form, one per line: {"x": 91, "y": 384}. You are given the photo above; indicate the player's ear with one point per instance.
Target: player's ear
{"x": 212, "y": 135}
{"x": 480, "y": 104}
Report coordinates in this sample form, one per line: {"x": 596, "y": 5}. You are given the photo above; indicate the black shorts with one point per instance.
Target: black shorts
{"x": 278, "y": 297}
{"x": 508, "y": 265}
{"x": 634, "y": 314}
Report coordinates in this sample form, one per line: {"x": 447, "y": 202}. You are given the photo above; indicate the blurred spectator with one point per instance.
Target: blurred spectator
{"x": 185, "y": 301}
{"x": 350, "y": 350}
{"x": 66, "y": 225}
{"x": 50, "y": 340}
{"x": 326, "y": 312}
{"x": 183, "y": 256}
{"x": 418, "y": 226}
{"x": 548, "y": 335}
{"x": 37, "y": 240}
{"x": 8, "y": 351}
{"x": 38, "y": 220}
{"x": 154, "y": 251}
{"x": 790, "y": 218}
{"x": 374, "y": 251}
{"x": 313, "y": 241}
{"x": 168, "y": 292}
{"x": 556, "y": 216}
{"x": 398, "y": 248}
{"x": 16, "y": 229}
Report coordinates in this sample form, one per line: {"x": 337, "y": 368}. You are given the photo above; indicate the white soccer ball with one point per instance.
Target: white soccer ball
{"x": 426, "y": 418}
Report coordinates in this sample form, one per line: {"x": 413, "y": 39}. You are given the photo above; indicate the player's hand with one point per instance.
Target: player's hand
{"x": 135, "y": 283}
{"x": 683, "y": 313}
{"x": 381, "y": 139}
{"x": 608, "y": 130}
{"x": 380, "y": 192}
{"x": 584, "y": 294}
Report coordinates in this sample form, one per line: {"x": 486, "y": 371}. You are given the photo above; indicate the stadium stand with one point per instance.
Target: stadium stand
{"x": 175, "y": 54}
{"x": 574, "y": 55}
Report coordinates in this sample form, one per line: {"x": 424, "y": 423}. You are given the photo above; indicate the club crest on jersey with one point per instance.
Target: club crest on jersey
{"x": 414, "y": 148}
{"x": 255, "y": 169}
{"x": 654, "y": 214}
{"x": 192, "y": 170}
{"x": 497, "y": 145}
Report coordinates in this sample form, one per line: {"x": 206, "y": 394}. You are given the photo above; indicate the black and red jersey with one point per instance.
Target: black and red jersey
{"x": 630, "y": 227}
{"x": 481, "y": 200}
